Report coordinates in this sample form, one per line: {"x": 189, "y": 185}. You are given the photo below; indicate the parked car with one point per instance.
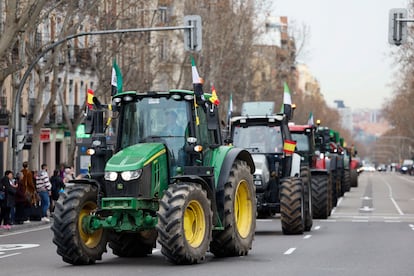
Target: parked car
{"x": 407, "y": 167}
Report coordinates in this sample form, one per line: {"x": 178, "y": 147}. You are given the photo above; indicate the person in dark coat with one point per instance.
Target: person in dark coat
{"x": 7, "y": 183}
{"x": 57, "y": 186}
{"x": 23, "y": 201}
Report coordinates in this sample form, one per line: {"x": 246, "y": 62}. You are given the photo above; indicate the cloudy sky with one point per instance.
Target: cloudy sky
{"x": 347, "y": 49}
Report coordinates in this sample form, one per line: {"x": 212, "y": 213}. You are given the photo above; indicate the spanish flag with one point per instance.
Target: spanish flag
{"x": 289, "y": 147}
{"x": 89, "y": 98}
{"x": 214, "y": 99}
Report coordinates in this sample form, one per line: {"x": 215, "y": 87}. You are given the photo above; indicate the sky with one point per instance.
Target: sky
{"x": 347, "y": 47}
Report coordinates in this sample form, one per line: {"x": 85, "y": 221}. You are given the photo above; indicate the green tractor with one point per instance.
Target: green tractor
{"x": 178, "y": 186}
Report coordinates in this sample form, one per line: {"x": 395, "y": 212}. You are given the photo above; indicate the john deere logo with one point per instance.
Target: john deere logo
{"x": 119, "y": 186}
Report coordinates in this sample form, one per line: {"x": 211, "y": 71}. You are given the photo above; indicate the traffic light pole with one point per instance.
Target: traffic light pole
{"x": 192, "y": 39}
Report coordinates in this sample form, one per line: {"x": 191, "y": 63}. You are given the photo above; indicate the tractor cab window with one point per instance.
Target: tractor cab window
{"x": 259, "y": 139}
{"x": 154, "y": 120}
{"x": 302, "y": 142}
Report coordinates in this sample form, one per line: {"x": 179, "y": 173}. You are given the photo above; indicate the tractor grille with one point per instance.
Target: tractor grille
{"x": 140, "y": 187}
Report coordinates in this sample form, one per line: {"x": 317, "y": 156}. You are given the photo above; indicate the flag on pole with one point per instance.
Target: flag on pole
{"x": 116, "y": 81}
{"x": 214, "y": 99}
{"x": 89, "y": 98}
{"x": 287, "y": 101}
{"x": 289, "y": 147}
{"x": 197, "y": 81}
{"x": 310, "y": 119}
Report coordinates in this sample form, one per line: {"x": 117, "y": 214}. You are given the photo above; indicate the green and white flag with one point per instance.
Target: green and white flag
{"x": 116, "y": 81}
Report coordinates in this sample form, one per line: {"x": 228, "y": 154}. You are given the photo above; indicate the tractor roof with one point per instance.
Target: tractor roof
{"x": 276, "y": 119}
{"x": 299, "y": 128}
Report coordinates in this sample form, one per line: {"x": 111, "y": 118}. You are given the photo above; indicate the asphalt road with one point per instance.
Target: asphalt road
{"x": 370, "y": 232}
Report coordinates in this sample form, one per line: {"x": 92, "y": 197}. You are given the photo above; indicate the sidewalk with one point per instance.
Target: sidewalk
{"x": 20, "y": 227}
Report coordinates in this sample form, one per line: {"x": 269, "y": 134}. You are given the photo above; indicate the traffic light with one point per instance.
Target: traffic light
{"x": 192, "y": 36}
{"x": 397, "y": 33}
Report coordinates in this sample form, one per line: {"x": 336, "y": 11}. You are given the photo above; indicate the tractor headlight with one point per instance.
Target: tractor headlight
{"x": 111, "y": 176}
{"x": 131, "y": 175}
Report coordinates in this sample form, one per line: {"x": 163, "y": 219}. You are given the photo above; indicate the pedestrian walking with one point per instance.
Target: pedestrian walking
{"x": 43, "y": 187}
{"x": 57, "y": 186}
{"x": 9, "y": 187}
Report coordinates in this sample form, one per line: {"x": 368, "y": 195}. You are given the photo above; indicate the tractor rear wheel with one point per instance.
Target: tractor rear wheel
{"x": 347, "y": 181}
{"x": 354, "y": 178}
{"x": 292, "y": 206}
{"x": 184, "y": 223}
{"x": 75, "y": 244}
{"x": 239, "y": 214}
{"x": 320, "y": 199}
{"x": 306, "y": 179}
{"x": 132, "y": 244}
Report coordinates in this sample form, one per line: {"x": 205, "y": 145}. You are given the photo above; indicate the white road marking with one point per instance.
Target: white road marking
{"x": 289, "y": 251}
{"x": 13, "y": 246}
{"x": 392, "y": 198}
{"x": 390, "y": 221}
{"x": 411, "y": 225}
{"x": 366, "y": 198}
{"x": 360, "y": 220}
{"x": 366, "y": 209}
{"x": 317, "y": 227}
{"x": 307, "y": 237}
{"x": 9, "y": 255}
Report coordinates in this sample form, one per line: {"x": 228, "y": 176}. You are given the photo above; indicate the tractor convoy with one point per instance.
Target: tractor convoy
{"x": 170, "y": 179}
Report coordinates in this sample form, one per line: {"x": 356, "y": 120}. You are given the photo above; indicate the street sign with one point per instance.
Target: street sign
{"x": 45, "y": 134}
{"x": 397, "y": 32}
{"x": 193, "y": 36}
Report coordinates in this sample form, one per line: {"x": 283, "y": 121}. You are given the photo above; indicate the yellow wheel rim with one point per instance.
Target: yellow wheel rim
{"x": 194, "y": 224}
{"x": 243, "y": 209}
{"x": 90, "y": 240}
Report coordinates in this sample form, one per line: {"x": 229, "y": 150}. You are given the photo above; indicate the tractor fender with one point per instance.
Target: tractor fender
{"x": 85, "y": 181}
{"x": 319, "y": 171}
{"x": 295, "y": 170}
{"x": 205, "y": 185}
{"x": 232, "y": 155}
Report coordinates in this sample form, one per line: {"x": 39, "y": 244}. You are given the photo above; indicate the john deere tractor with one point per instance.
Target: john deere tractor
{"x": 280, "y": 184}
{"x": 179, "y": 186}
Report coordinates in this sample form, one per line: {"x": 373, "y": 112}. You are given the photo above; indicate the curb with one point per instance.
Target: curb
{"x": 19, "y": 227}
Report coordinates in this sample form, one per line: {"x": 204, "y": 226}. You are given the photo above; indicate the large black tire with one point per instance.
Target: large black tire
{"x": 320, "y": 196}
{"x": 132, "y": 244}
{"x": 347, "y": 181}
{"x": 336, "y": 184}
{"x": 239, "y": 214}
{"x": 74, "y": 244}
{"x": 185, "y": 223}
{"x": 306, "y": 180}
{"x": 354, "y": 178}
{"x": 292, "y": 206}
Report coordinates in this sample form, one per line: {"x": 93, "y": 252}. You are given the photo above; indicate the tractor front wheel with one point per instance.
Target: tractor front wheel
{"x": 306, "y": 179}
{"x": 77, "y": 245}
{"x": 239, "y": 214}
{"x": 292, "y": 206}
{"x": 184, "y": 223}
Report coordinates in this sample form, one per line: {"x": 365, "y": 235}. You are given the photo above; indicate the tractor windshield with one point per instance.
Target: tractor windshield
{"x": 302, "y": 141}
{"x": 153, "y": 120}
{"x": 259, "y": 139}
